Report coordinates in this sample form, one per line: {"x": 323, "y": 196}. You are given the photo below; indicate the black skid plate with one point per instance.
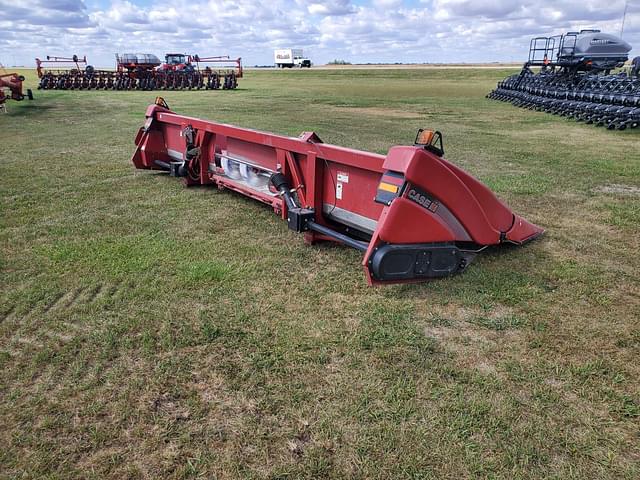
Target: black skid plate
{"x": 417, "y": 261}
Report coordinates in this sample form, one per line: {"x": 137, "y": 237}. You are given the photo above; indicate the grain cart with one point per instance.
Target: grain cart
{"x": 576, "y": 78}
{"x": 413, "y": 214}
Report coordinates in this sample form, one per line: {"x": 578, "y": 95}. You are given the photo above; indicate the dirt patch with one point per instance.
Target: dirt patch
{"x": 336, "y": 362}
{"x": 297, "y": 444}
{"x": 167, "y": 405}
{"x": 380, "y": 112}
{"x": 619, "y": 189}
{"x": 419, "y": 66}
{"x": 486, "y": 368}
{"x": 210, "y": 390}
{"x": 449, "y": 315}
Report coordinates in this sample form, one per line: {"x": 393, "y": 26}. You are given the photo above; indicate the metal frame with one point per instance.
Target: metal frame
{"x": 63, "y": 62}
{"x": 12, "y": 82}
{"x": 415, "y": 215}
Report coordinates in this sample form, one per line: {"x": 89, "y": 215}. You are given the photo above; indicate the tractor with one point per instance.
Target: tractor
{"x": 176, "y": 62}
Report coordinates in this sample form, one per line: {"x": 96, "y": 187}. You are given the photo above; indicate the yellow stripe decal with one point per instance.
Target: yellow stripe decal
{"x": 388, "y": 187}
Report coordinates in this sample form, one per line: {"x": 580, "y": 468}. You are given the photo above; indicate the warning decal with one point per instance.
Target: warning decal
{"x": 343, "y": 177}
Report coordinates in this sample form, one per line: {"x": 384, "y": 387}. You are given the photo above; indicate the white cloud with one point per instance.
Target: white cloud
{"x": 331, "y": 8}
{"x": 365, "y": 31}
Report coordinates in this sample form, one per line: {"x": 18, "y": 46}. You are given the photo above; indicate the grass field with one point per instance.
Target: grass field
{"x": 153, "y": 331}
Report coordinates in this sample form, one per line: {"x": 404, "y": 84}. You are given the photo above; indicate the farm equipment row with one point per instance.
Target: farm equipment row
{"x": 105, "y": 80}
{"x": 141, "y": 72}
{"x": 413, "y": 214}
{"x": 575, "y": 80}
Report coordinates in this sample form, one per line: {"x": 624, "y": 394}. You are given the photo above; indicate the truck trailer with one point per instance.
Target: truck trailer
{"x": 290, "y": 57}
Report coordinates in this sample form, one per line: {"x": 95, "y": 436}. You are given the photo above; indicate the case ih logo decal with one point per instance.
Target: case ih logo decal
{"x": 416, "y": 195}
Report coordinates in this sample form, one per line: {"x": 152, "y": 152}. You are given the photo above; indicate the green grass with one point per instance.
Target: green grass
{"x": 153, "y": 331}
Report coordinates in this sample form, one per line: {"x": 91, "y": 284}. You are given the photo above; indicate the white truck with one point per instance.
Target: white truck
{"x": 290, "y": 57}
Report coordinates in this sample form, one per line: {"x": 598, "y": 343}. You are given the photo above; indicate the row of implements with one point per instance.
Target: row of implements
{"x": 141, "y": 71}
{"x": 580, "y": 75}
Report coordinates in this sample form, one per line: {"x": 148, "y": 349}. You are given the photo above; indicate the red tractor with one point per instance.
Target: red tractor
{"x": 177, "y": 62}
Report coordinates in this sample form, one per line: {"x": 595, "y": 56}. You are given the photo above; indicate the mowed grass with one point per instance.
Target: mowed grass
{"x": 153, "y": 331}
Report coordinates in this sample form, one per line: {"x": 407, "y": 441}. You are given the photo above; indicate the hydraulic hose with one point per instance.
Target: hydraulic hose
{"x": 281, "y": 184}
{"x": 279, "y": 181}
{"x": 162, "y": 164}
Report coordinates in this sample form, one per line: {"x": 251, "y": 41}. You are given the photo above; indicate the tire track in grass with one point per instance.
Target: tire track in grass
{"x": 53, "y": 304}
{"x": 59, "y": 305}
{"x": 94, "y": 293}
{"x": 9, "y": 314}
{"x": 113, "y": 289}
{"x": 71, "y": 297}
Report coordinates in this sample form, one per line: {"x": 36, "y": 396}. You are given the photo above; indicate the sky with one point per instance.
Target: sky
{"x": 359, "y": 31}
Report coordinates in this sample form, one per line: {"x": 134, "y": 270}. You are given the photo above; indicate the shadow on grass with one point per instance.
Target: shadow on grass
{"x": 27, "y": 108}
